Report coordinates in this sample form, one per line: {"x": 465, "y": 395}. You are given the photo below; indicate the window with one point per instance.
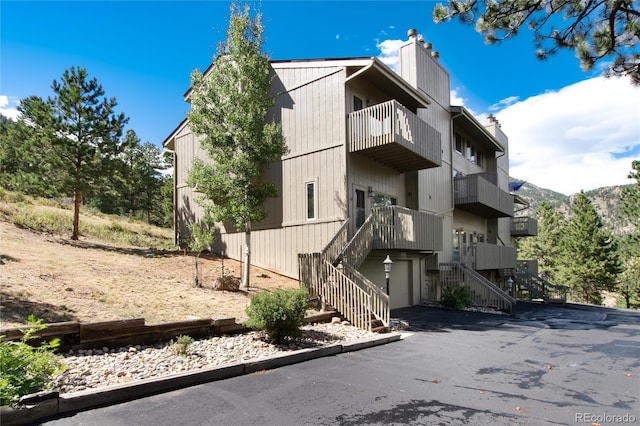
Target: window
{"x": 311, "y": 204}
{"x": 381, "y": 200}
{"x": 359, "y": 207}
{"x": 459, "y": 144}
{"x": 357, "y": 103}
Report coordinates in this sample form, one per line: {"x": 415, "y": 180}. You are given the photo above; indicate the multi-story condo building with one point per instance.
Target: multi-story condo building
{"x": 379, "y": 164}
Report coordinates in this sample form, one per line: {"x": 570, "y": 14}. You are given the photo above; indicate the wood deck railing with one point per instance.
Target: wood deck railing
{"x": 391, "y": 128}
{"x": 524, "y": 226}
{"x": 483, "y": 292}
{"x": 480, "y": 189}
{"x": 406, "y": 229}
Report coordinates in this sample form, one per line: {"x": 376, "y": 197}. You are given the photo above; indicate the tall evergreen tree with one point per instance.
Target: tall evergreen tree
{"x": 590, "y": 258}
{"x": 28, "y": 163}
{"x": 630, "y": 206}
{"x": 229, "y": 106}
{"x": 85, "y": 132}
{"x": 546, "y": 247}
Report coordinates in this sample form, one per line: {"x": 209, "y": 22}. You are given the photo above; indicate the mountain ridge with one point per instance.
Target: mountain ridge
{"x": 606, "y": 201}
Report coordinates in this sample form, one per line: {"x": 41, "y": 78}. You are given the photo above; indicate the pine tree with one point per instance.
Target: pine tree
{"x": 590, "y": 260}
{"x": 28, "y": 163}
{"x": 546, "y": 246}
{"x": 229, "y": 106}
{"x": 630, "y": 206}
{"x": 598, "y": 31}
{"x": 85, "y": 134}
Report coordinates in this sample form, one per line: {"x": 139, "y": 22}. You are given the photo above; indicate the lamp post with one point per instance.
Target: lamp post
{"x": 387, "y": 270}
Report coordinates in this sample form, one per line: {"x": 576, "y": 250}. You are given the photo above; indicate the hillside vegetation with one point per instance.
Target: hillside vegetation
{"x": 118, "y": 269}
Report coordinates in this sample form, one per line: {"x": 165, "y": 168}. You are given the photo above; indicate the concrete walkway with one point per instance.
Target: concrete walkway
{"x": 543, "y": 365}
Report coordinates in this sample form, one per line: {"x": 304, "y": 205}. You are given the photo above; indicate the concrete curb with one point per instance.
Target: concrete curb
{"x": 55, "y": 405}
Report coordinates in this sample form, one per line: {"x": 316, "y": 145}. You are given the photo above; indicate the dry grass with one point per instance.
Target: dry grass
{"x": 57, "y": 279}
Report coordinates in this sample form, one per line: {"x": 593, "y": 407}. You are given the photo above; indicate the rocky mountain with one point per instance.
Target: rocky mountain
{"x": 606, "y": 201}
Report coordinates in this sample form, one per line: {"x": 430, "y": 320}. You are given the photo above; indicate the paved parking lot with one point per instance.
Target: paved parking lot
{"x": 543, "y": 365}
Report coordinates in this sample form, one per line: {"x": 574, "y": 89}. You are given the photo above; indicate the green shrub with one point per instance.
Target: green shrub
{"x": 26, "y": 369}
{"x": 456, "y": 297}
{"x": 280, "y": 314}
{"x": 181, "y": 345}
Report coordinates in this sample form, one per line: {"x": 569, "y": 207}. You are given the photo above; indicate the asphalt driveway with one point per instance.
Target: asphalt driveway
{"x": 542, "y": 365}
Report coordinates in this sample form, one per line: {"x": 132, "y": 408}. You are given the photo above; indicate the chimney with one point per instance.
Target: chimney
{"x": 412, "y": 33}
{"x": 428, "y": 46}
{"x": 493, "y": 119}
{"x": 436, "y": 55}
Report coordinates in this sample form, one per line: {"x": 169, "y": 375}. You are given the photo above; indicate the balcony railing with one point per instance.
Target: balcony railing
{"x": 492, "y": 256}
{"x": 524, "y": 227}
{"x": 393, "y": 135}
{"x": 480, "y": 194}
{"x": 401, "y": 228}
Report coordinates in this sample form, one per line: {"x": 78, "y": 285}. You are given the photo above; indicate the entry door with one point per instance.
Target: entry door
{"x": 359, "y": 207}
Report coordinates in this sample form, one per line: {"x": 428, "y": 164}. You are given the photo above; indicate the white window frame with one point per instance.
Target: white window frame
{"x": 314, "y": 184}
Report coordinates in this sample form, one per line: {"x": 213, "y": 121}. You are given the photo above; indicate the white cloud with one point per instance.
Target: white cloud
{"x": 456, "y": 99}
{"x": 8, "y": 107}
{"x": 581, "y": 137}
{"x": 390, "y": 53}
{"x": 504, "y": 103}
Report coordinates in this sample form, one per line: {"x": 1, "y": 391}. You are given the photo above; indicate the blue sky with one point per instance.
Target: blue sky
{"x": 568, "y": 130}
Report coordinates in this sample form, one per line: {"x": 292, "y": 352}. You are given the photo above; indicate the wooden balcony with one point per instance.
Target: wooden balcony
{"x": 492, "y": 256}
{"x": 479, "y": 194}
{"x": 393, "y": 135}
{"x": 400, "y": 228}
{"x": 524, "y": 227}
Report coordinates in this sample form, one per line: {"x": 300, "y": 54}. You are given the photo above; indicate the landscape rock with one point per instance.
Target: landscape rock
{"x": 127, "y": 364}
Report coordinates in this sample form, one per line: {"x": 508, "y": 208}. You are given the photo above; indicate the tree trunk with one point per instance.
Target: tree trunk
{"x": 76, "y": 215}
{"x": 247, "y": 255}
{"x": 196, "y": 280}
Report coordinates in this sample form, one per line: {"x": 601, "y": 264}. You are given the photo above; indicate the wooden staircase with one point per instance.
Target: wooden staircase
{"x": 536, "y": 287}
{"x": 332, "y": 276}
{"x": 484, "y": 293}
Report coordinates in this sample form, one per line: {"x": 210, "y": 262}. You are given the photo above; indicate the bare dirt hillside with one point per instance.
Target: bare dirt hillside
{"x": 58, "y": 280}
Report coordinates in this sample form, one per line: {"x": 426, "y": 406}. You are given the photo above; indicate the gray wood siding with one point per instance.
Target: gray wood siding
{"x": 310, "y": 103}
{"x": 327, "y": 169}
{"x": 424, "y": 72}
{"x": 365, "y": 173}
{"x": 277, "y": 249}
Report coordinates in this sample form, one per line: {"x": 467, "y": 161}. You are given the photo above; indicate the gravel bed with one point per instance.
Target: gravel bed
{"x": 89, "y": 369}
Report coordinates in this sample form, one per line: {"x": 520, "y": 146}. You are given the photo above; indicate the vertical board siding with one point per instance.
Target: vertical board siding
{"x": 277, "y": 249}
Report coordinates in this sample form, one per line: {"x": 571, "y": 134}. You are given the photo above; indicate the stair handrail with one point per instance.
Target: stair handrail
{"x": 357, "y": 307}
{"x": 362, "y": 240}
{"x": 479, "y": 284}
{"x": 333, "y": 249}
{"x": 547, "y": 287}
{"x": 494, "y": 288}
{"x": 380, "y": 302}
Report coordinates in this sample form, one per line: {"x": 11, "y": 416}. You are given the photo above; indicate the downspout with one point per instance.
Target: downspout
{"x": 452, "y": 140}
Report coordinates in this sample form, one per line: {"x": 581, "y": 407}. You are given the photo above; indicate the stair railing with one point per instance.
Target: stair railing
{"x": 360, "y": 245}
{"x": 540, "y": 287}
{"x": 379, "y": 299}
{"x": 483, "y": 292}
